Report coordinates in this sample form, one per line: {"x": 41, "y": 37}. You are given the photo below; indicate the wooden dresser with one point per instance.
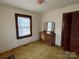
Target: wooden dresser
{"x": 48, "y": 38}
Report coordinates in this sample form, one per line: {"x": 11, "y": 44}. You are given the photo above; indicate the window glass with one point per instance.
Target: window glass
{"x": 23, "y": 22}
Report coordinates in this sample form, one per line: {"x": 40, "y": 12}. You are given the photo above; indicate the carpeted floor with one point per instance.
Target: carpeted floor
{"x": 39, "y": 50}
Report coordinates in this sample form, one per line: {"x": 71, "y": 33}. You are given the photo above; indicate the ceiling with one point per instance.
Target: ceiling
{"x": 33, "y": 6}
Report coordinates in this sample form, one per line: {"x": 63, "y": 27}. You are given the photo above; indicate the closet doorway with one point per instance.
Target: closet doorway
{"x": 70, "y": 31}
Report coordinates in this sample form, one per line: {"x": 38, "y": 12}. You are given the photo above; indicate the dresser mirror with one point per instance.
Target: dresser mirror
{"x": 49, "y": 27}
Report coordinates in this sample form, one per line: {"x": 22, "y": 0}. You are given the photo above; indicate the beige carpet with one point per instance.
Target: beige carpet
{"x": 39, "y": 50}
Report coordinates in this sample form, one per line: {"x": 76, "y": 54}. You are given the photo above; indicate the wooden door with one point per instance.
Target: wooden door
{"x": 74, "y": 44}
{"x": 66, "y": 30}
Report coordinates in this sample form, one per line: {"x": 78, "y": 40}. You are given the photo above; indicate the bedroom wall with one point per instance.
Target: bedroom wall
{"x": 57, "y": 16}
{"x": 8, "y": 31}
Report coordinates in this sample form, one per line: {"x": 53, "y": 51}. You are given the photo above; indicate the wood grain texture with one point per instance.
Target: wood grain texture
{"x": 66, "y": 30}
{"x": 39, "y": 50}
{"x": 70, "y": 31}
{"x": 74, "y": 44}
{"x": 48, "y": 38}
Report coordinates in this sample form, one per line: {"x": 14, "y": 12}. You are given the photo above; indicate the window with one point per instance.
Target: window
{"x": 23, "y": 25}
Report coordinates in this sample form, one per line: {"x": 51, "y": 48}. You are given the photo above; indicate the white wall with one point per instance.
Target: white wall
{"x": 8, "y": 31}
{"x": 56, "y": 16}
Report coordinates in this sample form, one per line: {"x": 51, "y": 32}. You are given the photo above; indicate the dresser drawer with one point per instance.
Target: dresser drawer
{"x": 48, "y": 38}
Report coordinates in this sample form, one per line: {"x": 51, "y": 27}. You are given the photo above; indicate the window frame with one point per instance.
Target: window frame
{"x": 17, "y": 29}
